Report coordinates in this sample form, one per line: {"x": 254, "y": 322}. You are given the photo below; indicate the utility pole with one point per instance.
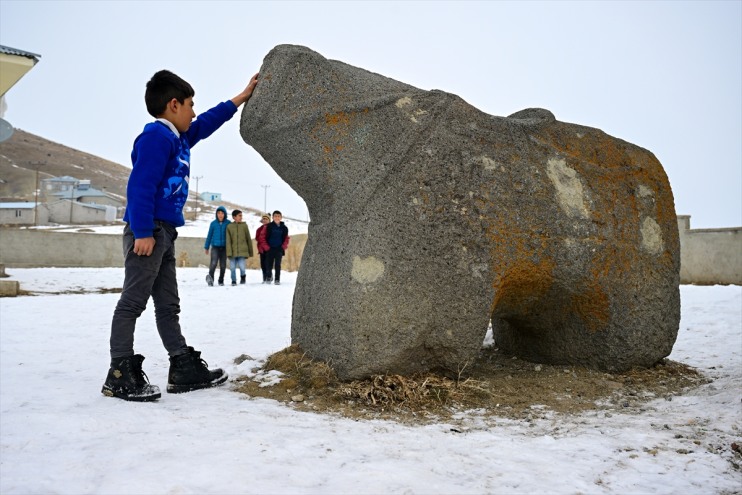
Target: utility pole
{"x": 265, "y": 198}
{"x": 72, "y": 197}
{"x": 36, "y": 197}
{"x": 37, "y": 192}
{"x": 195, "y": 210}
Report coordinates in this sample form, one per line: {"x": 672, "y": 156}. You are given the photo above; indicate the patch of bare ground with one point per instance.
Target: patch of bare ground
{"x": 80, "y": 290}
{"x": 495, "y": 385}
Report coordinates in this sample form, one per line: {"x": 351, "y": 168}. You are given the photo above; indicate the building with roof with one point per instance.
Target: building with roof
{"x": 210, "y": 196}
{"x": 79, "y": 190}
{"x": 64, "y": 200}
{"x": 61, "y": 211}
{"x": 23, "y": 213}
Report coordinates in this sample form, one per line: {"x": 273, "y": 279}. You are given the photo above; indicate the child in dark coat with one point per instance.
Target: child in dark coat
{"x": 277, "y": 237}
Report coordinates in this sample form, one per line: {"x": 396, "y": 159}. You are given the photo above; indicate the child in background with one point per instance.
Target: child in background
{"x": 277, "y": 236}
{"x": 263, "y": 248}
{"x": 217, "y": 238}
{"x": 239, "y": 245}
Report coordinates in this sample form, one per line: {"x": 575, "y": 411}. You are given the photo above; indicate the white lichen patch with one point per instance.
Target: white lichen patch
{"x": 568, "y": 185}
{"x": 644, "y": 191}
{"x": 403, "y": 102}
{"x": 652, "y": 236}
{"x": 366, "y": 270}
{"x": 477, "y": 269}
{"x": 489, "y": 163}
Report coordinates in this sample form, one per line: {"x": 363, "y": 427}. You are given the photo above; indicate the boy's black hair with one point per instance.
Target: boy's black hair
{"x": 236, "y": 212}
{"x": 278, "y": 212}
{"x": 163, "y": 87}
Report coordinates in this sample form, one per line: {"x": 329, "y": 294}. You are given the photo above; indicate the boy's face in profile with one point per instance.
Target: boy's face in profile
{"x": 182, "y": 113}
{"x": 277, "y": 218}
{"x": 237, "y": 218}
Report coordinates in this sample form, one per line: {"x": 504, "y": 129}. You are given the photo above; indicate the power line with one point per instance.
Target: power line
{"x": 195, "y": 210}
{"x": 265, "y": 198}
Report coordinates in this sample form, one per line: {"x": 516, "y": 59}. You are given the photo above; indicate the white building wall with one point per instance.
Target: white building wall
{"x": 709, "y": 256}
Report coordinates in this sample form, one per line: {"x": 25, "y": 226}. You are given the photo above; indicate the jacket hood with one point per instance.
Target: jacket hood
{"x": 222, "y": 209}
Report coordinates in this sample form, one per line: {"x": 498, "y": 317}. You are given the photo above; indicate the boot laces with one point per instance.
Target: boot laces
{"x": 198, "y": 360}
{"x": 140, "y": 377}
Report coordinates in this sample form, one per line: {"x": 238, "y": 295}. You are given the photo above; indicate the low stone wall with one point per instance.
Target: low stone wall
{"x": 26, "y": 248}
{"x": 709, "y": 256}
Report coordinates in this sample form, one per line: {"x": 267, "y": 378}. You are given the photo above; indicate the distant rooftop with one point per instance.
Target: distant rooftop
{"x": 17, "y": 205}
{"x": 64, "y": 178}
{"x": 89, "y": 192}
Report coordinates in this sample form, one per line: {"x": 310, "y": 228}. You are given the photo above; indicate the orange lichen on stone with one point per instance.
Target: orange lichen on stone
{"x": 338, "y": 118}
{"x": 332, "y": 136}
{"x": 523, "y": 284}
{"x": 593, "y": 306}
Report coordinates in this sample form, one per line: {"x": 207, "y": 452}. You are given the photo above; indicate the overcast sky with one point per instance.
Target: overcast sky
{"x": 666, "y": 76}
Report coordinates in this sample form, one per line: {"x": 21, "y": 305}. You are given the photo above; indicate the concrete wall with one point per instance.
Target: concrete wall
{"x": 23, "y": 248}
{"x": 709, "y": 256}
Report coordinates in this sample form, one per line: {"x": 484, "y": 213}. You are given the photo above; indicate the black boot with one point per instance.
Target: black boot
{"x": 189, "y": 372}
{"x": 127, "y": 381}
{"x": 242, "y": 279}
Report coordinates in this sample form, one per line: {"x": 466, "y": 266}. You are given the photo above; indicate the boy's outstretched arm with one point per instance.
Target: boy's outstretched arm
{"x": 247, "y": 92}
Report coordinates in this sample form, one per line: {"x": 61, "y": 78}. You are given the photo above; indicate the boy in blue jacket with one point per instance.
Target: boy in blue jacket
{"x": 217, "y": 238}
{"x": 156, "y": 193}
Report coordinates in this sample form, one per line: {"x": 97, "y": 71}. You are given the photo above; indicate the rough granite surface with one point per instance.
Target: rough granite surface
{"x": 430, "y": 218}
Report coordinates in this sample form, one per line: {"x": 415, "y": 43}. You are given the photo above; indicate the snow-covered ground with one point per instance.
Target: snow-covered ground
{"x": 60, "y": 435}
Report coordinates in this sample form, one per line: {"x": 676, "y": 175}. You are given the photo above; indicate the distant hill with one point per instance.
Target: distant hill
{"x": 24, "y": 153}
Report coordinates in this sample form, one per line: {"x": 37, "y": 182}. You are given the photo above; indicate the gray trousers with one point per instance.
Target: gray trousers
{"x": 147, "y": 276}
{"x": 218, "y": 255}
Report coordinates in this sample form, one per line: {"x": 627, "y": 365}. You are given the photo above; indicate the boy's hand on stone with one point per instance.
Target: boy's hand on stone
{"x": 247, "y": 92}
{"x": 144, "y": 246}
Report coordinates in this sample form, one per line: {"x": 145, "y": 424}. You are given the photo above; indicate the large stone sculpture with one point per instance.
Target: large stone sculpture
{"x": 431, "y": 218}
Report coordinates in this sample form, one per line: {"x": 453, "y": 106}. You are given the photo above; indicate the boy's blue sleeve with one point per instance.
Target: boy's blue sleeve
{"x": 149, "y": 158}
{"x": 208, "y": 236}
{"x": 209, "y": 121}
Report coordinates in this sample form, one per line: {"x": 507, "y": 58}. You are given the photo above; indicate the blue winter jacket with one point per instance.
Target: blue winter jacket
{"x": 217, "y": 235}
{"x": 158, "y": 184}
